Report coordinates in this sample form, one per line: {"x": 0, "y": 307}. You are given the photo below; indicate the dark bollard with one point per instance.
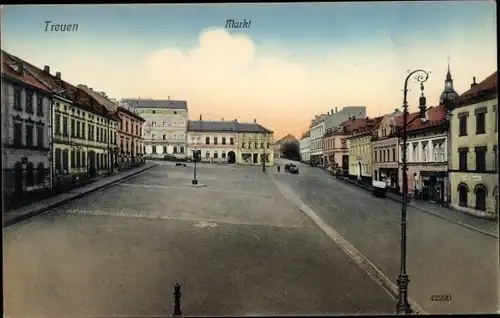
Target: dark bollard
{"x": 177, "y": 298}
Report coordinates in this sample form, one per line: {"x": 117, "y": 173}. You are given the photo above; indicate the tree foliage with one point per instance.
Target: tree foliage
{"x": 291, "y": 150}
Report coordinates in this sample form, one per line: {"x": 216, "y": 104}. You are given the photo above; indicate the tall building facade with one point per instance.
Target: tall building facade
{"x": 474, "y": 150}
{"x": 26, "y": 109}
{"x": 165, "y": 126}
{"x": 217, "y": 140}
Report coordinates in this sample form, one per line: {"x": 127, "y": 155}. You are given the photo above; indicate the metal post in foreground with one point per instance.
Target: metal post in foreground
{"x": 195, "y": 157}
{"x": 403, "y": 306}
{"x": 177, "y": 300}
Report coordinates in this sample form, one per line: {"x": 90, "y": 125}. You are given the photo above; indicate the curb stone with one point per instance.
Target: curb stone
{"x": 31, "y": 214}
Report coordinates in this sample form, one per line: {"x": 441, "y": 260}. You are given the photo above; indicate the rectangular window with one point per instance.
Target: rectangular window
{"x": 39, "y": 105}
{"x": 65, "y": 159}
{"x": 58, "y": 124}
{"x": 215, "y": 140}
{"x": 462, "y": 159}
{"x": 164, "y": 137}
{"x": 480, "y": 159}
{"x": 73, "y": 159}
{"x": 231, "y": 141}
{"x": 65, "y": 126}
{"x": 462, "y": 121}
{"x": 153, "y": 124}
{"x": 29, "y": 102}
{"x": 83, "y": 130}
{"x": 83, "y": 159}
{"x": 58, "y": 159}
{"x": 39, "y": 136}
{"x": 480, "y": 123}
{"x": 73, "y": 126}
{"x": 78, "y": 129}
{"x": 29, "y": 135}
{"x": 376, "y": 156}
{"x": 17, "y": 98}
{"x": 78, "y": 159}
{"x": 223, "y": 140}
{"x": 18, "y": 134}
{"x": 207, "y": 140}
{"x": 216, "y": 155}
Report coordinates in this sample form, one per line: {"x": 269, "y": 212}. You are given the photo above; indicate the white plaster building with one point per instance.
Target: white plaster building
{"x": 25, "y": 111}
{"x": 165, "y": 126}
{"x": 217, "y": 140}
{"x": 304, "y": 146}
{"x": 316, "y": 143}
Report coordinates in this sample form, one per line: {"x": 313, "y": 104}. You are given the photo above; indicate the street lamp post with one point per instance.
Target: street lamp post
{"x": 403, "y": 307}
{"x": 195, "y": 157}
{"x": 263, "y": 152}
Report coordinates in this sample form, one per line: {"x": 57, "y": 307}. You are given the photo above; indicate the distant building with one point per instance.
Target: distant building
{"x": 26, "y": 110}
{"x": 474, "y": 150}
{"x": 215, "y": 139}
{"x": 165, "y": 126}
{"x": 278, "y": 145}
{"x": 385, "y": 163}
{"x": 426, "y": 155}
{"x": 360, "y": 149}
{"x": 254, "y": 144}
{"x": 304, "y": 147}
{"x": 326, "y": 122}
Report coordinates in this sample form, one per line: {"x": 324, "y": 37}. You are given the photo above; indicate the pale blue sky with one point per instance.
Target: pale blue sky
{"x": 316, "y": 56}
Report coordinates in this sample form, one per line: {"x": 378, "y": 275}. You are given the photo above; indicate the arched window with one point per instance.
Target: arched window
{"x": 40, "y": 173}
{"x": 480, "y": 192}
{"x": 463, "y": 191}
{"x": 30, "y": 179}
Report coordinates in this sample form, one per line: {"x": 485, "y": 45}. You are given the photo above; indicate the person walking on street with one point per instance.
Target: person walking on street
{"x": 279, "y": 168}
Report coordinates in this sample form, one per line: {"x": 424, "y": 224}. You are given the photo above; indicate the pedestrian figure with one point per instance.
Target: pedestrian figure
{"x": 279, "y": 168}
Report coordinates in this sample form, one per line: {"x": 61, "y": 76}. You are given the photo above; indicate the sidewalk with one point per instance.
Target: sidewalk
{"x": 23, "y": 213}
{"x": 485, "y": 226}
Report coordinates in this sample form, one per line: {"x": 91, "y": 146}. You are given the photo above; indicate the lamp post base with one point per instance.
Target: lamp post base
{"x": 403, "y": 307}
{"x": 194, "y": 182}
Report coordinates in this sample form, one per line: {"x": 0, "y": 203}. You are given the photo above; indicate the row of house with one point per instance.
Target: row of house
{"x": 451, "y": 157}
{"x": 169, "y": 133}
{"x": 56, "y": 133}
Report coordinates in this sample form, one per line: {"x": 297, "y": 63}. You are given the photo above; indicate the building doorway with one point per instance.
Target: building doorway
{"x": 480, "y": 197}
{"x": 231, "y": 157}
{"x": 462, "y": 195}
{"x": 255, "y": 158}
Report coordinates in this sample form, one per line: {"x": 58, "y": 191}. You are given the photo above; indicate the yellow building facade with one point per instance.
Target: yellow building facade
{"x": 474, "y": 151}
{"x": 254, "y": 144}
{"x": 360, "y": 150}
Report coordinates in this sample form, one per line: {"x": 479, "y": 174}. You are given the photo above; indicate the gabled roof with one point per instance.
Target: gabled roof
{"x": 98, "y": 97}
{"x": 42, "y": 76}
{"x": 485, "y": 90}
{"x": 435, "y": 116}
{"x": 15, "y": 69}
{"x": 156, "y": 103}
{"x": 215, "y": 126}
{"x": 367, "y": 127}
{"x": 225, "y": 126}
{"x": 287, "y": 138}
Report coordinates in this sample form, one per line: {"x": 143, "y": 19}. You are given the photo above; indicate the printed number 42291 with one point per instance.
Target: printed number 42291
{"x": 440, "y": 297}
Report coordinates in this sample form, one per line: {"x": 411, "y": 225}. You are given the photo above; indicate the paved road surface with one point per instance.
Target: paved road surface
{"x": 237, "y": 247}
{"x": 443, "y": 257}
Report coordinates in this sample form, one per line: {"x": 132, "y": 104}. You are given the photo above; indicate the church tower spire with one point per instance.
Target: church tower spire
{"x": 449, "y": 92}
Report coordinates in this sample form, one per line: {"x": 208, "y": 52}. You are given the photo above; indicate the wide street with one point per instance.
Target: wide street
{"x": 443, "y": 257}
{"x": 236, "y": 246}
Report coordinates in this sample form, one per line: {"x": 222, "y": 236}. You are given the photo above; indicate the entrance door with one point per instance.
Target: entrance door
{"x": 231, "y": 157}
{"x": 92, "y": 164}
{"x": 255, "y": 158}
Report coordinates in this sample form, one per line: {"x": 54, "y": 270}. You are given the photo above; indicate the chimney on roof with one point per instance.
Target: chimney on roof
{"x": 332, "y": 111}
{"x": 255, "y": 120}
{"x": 46, "y": 69}
{"x": 336, "y": 111}
{"x": 222, "y": 118}
{"x": 58, "y": 75}
{"x": 473, "y": 82}
{"x": 169, "y": 98}
{"x": 353, "y": 117}
{"x": 236, "y": 120}
{"x": 396, "y": 110}
{"x": 200, "y": 117}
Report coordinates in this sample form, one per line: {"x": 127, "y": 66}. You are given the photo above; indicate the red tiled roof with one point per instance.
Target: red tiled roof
{"x": 435, "y": 116}
{"x": 488, "y": 83}
{"x": 8, "y": 62}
